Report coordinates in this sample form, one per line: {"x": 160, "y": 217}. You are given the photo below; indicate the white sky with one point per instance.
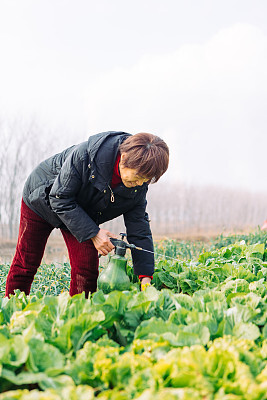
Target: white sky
{"x": 193, "y": 72}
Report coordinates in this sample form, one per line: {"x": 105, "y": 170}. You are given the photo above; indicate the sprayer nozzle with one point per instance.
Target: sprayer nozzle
{"x": 131, "y": 246}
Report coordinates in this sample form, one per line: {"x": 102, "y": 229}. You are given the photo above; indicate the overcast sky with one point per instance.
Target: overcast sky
{"x": 193, "y": 72}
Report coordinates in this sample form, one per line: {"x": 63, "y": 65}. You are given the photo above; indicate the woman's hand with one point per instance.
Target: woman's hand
{"x": 145, "y": 282}
{"x": 102, "y": 243}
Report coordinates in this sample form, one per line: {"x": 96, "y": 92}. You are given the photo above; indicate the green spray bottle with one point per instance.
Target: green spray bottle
{"x": 114, "y": 276}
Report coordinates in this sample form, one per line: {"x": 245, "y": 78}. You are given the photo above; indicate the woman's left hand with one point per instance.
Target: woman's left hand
{"x": 145, "y": 282}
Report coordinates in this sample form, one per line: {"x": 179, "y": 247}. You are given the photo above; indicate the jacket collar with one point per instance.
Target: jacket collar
{"x": 102, "y": 151}
{"x": 123, "y": 191}
{"x": 95, "y": 141}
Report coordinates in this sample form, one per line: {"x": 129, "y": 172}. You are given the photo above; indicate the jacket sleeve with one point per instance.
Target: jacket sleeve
{"x": 139, "y": 233}
{"x": 63, "y": 201}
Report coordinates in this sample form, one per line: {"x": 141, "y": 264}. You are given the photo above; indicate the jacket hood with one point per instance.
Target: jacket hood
{"x": 95, "y": 141}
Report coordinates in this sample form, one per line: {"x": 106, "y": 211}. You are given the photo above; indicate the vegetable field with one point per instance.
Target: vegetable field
{"x": 198, "y": 332}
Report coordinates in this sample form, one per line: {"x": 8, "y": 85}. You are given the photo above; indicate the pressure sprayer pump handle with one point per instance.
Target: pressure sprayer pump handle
{"x": 121, "y": 245}
{"x": 123, "y": 235}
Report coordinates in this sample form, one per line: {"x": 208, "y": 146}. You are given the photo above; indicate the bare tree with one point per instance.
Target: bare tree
{"x": 180, "y": 208}
{"x": 23, "y": 146}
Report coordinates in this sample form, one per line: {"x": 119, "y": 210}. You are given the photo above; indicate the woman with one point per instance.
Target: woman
{"x": 81, "y": 188}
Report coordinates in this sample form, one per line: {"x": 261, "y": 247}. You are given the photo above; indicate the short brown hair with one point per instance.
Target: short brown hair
{"x": 146, "y": 153}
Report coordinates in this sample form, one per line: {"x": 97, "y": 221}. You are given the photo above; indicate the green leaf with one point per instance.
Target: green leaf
{"x": 138, "y": 307}
{"x": 44, "y": 381}
{"x": 235, "y": 286}
{"x": 4, "y": 347}
{"x": 18, "y": 351}
{"x": 258, "y": 287}
{"x": 154, "y": 327}
{"x": 98, "y": 298}
{"x": 24, "y": 378}
{"x": 165, "y": 304}
{"x": 167, "y": 280}
{"x": 256, "y": 250}
{"x": 191, "y": 335}
{"x": 204, "y": 319}
{"x": 184, "y": 300}
{"x": 71, "y": 335}
{"x": 44, "y": 356}
{"x": 15, "y": 303}
{"x": 240, "y": 313}
{"x": 246, "y": 331}
{"x": 232, "y": 296}
{"x": 178, "y": 317}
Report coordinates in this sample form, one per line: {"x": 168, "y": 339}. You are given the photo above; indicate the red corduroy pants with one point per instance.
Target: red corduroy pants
{"x": 33, "y": 234}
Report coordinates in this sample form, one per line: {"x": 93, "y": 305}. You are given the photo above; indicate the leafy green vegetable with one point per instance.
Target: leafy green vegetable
{"x": 200, "y": 331}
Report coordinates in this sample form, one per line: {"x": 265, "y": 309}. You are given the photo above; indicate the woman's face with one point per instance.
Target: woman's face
{"x": 130, "y": 177}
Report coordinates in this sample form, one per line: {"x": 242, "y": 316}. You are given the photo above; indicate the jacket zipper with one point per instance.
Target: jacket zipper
{"x": 112, "y": 198}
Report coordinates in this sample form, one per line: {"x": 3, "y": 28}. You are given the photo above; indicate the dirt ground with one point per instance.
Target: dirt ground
{"x": 55, "y": 251}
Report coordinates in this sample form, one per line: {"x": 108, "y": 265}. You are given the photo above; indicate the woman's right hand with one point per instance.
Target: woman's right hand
{"x": 102, "y": 243}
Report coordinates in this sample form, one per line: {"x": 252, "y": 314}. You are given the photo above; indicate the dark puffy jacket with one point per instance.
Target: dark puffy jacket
{"x": 71, "y": 190}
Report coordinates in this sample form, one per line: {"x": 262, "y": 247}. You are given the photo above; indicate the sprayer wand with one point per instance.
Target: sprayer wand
{"x": 121, "y": 246}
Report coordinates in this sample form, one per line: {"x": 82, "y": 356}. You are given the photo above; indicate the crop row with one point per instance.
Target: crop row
{"x": 41, "y": 337}
{"x": 54, "y": 278}
{"x": 200, "y": 331}
{"x": 226, "y": 369}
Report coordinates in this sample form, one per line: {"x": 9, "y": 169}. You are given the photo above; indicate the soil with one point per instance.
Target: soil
{"x": 55, "y": 250}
